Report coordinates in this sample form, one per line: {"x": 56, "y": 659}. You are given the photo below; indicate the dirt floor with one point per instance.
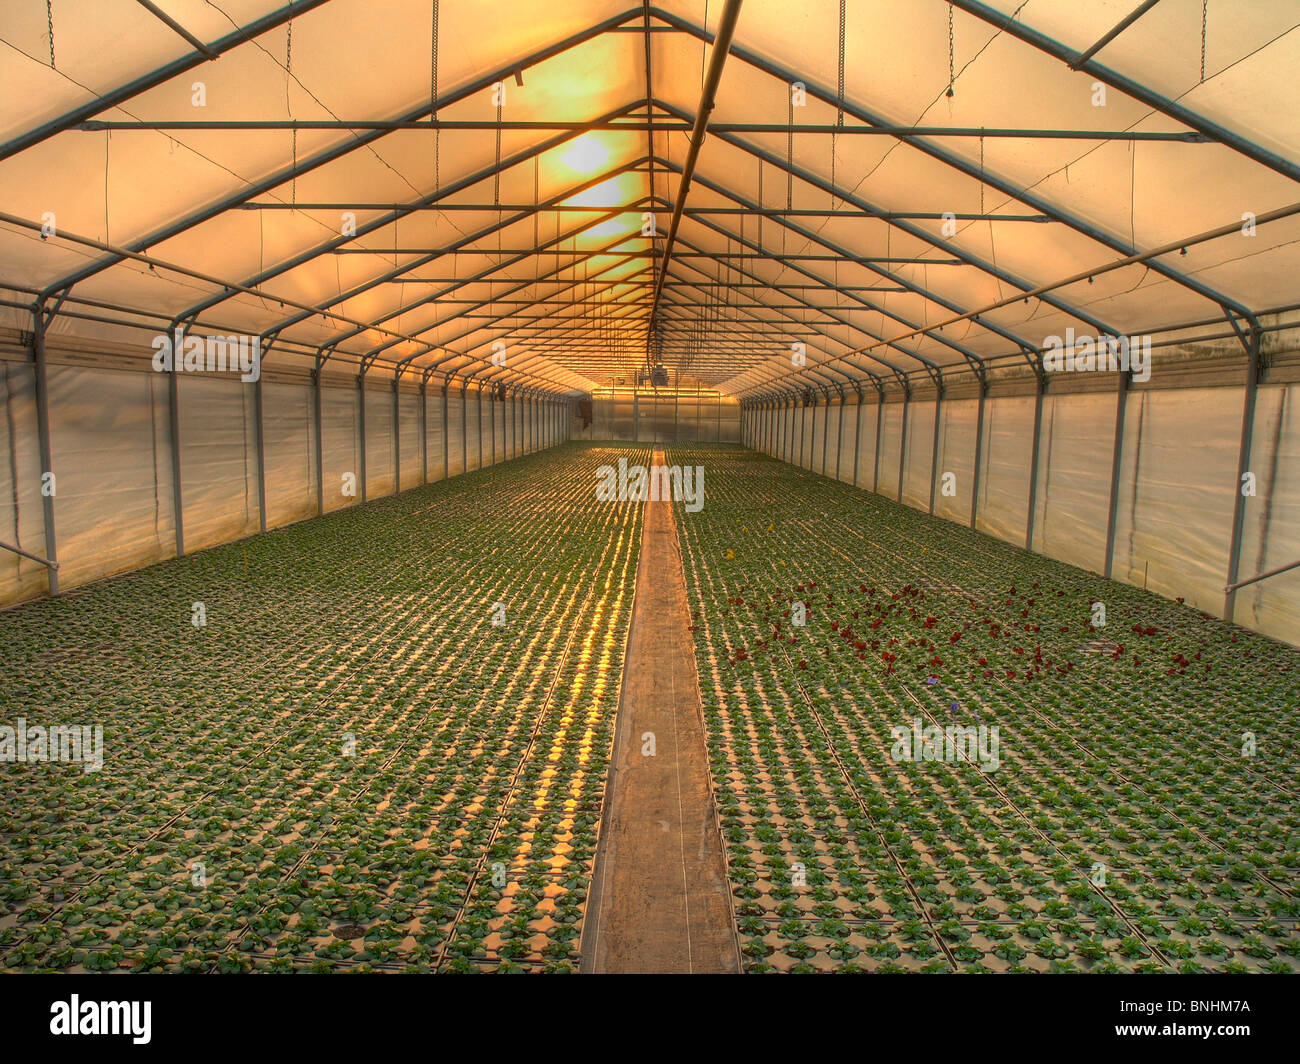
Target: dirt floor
{"x": 660, "y": 900}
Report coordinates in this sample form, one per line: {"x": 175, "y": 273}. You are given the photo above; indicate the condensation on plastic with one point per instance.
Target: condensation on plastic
{"x": 844, "y": 452}
{"x": 957, "y": 426}
{"x": 339, "y": 457}
{"x": 411, "y": 452}
{"x": 1174, "y": 517}
{"x": 113, "y": 507}
{"x": 218, "y": 461}
{"x": 870, "y": 416}
{"x": 816, "y": 430}
{"x": 455, "y": 435}
{"x": 379, "y": 442}
{"x": 1003, "y": 505}
{"x": 1075, "y": 455}
{"x": 920, "y": 451}
{"x": 890, "y": 449}
{"x": 1271, "y": 532}
{"x": 289, "y": 446}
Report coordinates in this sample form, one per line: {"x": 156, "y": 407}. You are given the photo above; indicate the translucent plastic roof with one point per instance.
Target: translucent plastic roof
{"x": 927, "y": 165}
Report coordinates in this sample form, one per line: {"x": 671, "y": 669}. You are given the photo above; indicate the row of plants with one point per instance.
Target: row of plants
{"x": 1139, "y": 813}
{"x": 348, "y": 765}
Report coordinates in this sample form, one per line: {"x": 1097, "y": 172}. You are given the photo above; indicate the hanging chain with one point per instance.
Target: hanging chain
{"x": 1205, "y": 14}
{"x": 981, "y": 171}
{"x": 789, "y": 174}
{"x": 433, "y": 94}
{"x": 789, "y": 160}
{"x": 288, "y": 73}
{"x": 496, "y": 175}
{"x": 49, "y": 19}
{"x": 952, "y": 72}
{"x": 839, "y": 112}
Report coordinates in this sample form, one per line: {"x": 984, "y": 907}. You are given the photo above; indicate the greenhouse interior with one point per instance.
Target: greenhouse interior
{"x": 781, "y": 488}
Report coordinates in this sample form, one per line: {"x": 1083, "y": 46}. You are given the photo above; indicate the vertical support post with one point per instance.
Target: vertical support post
{"x": 479, "y": 403}
{"x": 826, "y": 430}
{"x": 361, "y": 420}
{"x": 839, "y": 437}
{"x": 857, "y": 434}
{"x": 259, "y": 439}
{"x": 934, "y": 447}
{"x": 803, "y": 424}
{"x": 492, "y": 424}
{"x": 320, "y": 446}
{"x": 424, "y": 432}
{"x": 446, "y": 439}
{"x": 1033, "y": 459}
{"x": 46, "y": 449}
{"x": 397, "y": 438}
{"x": 174, "y": 429}
{"x": 979, "y": 451}
{"x": 880, "y": 427}
{"x": 464, "y": 427}
{"x": 1116, "y": 467}
{"x": 1243, "y": 467}
{"x": 902, "y": 442}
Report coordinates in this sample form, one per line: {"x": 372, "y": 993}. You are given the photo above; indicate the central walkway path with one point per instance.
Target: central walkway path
{"x": 659, "y": 899}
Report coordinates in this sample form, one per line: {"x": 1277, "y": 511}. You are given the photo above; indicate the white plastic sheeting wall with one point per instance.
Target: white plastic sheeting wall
{"x": 1176, "y": 486}
{"x": 111, "y": 452}
{"x": 658, "y": 418}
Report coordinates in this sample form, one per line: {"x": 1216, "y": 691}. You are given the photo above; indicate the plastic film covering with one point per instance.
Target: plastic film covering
{"x": 1176, "y": 492}
{"x": 340, "y": 461}
{"x": 815, "y": 436}
{"x": 500, "y": 415}
{"x": 1003, "y": 507}
{"x": 113, "y": 465}
{"x": 834, "y": 416}
{"x": 455, "y": 434}
{"x": 849, "y": 412}
{"x": 869, "y": 416}
{"x": 469, "y": 421}
{"x": 1271, "y": 532}
{"x": 957, "y": 430}
{"x": 890, "y": 449}
{"x": 433, "y": 425}
{"x": 920, "y": 455}
{"x": 1074, "y": 472}
{"x": 412, "y": 451}
{"x": 289, "y": 448}
{"x": 379, "y": 442}
{"x": 219, "y": 495}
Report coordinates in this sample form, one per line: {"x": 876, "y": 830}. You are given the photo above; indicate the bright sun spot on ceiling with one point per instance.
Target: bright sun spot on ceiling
{"x": 586, "y": 154}
{"x": 624, "y": 223}
{"x": 609, "y": 193}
